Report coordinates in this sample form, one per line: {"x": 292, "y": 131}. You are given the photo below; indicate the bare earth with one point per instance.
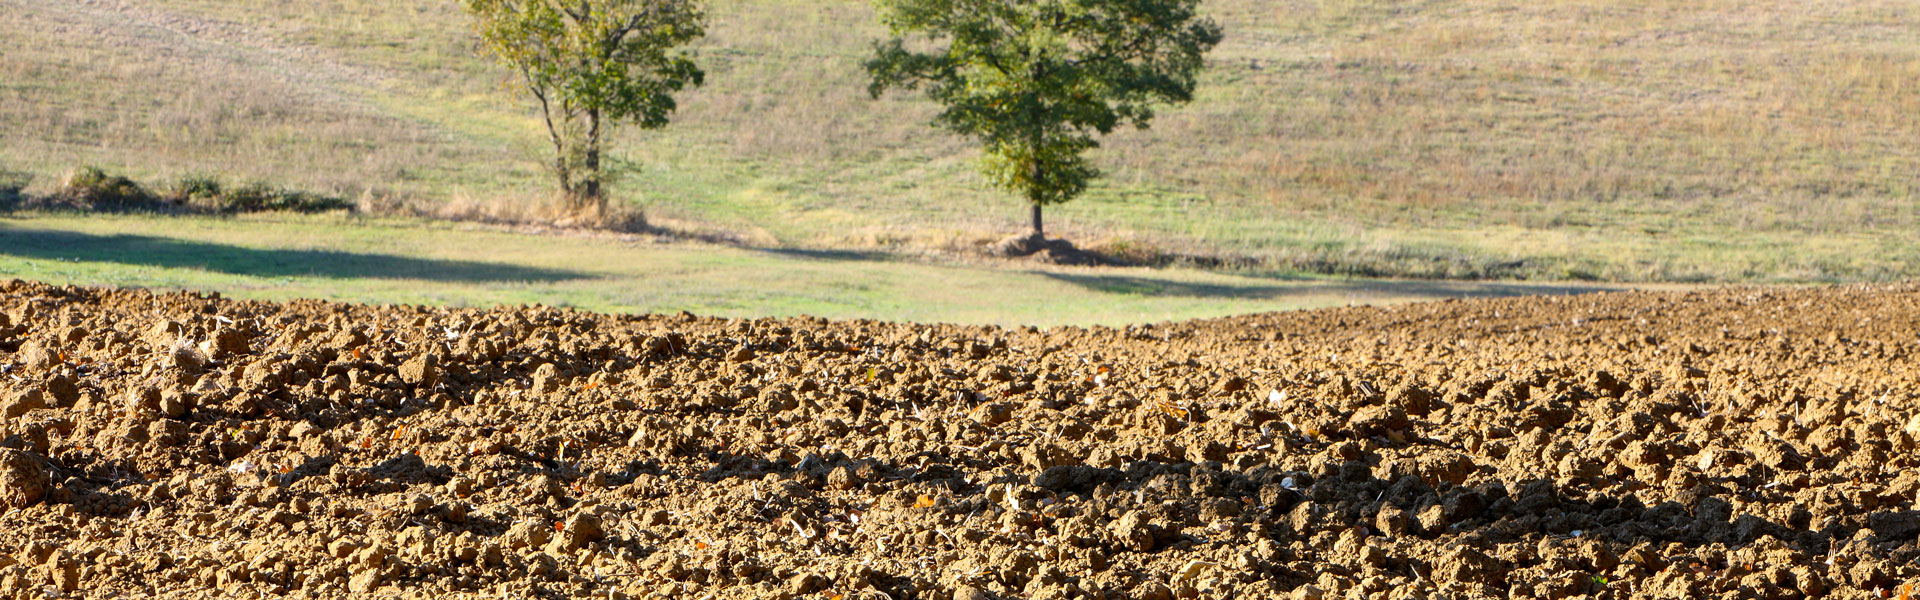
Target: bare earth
{"x": 1741, "y": 443}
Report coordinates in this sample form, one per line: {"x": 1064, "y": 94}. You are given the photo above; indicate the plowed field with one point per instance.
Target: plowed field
{"x": 1740, "y": 443}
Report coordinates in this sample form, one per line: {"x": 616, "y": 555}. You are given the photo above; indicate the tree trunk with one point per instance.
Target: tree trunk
{"x": 1039, "y": 233}
{"x": 591, "y": 197}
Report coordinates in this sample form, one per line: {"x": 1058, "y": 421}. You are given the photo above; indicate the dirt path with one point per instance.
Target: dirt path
{"x": 1741, "y": 443}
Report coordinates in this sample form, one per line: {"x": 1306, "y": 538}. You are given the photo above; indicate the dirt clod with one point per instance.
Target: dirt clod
{"x": 422, "y": 372}
{"x": 1732, "y": 443}
{"x": 22, "y": 401}
{"x": 23, "y": 479}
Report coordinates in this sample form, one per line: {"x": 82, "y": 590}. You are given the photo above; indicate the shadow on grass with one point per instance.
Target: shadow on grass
{"x": 1157, "y": 287}
{"x": 828, "y": 255}
{"x": 175, "y": 253}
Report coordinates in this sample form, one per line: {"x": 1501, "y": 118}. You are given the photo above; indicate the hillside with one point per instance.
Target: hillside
{"x": 1666, "y": 140}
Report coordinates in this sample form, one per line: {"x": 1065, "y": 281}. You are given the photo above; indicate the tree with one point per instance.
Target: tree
{"x": 1036, "y": 81}
{"x": 592, "y": 64}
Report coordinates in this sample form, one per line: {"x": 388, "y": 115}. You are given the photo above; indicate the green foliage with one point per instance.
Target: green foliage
{"x": 193, "y": 190}
{"x": 591, "y": 64}
{"x": 1036, "y": 82}
{"x": 260, "y": 197}
{"x": 11, "y": 183}
{"x": 94, "y": 188}
{"x": 206, "y": 193}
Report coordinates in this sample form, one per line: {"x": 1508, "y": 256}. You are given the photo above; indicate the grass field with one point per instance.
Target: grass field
{"x": 1663, "y": 140}
{"x": 433, "y": 262}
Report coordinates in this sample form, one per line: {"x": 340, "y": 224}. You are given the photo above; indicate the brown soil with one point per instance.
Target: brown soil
{"x": 1743, "y": 443}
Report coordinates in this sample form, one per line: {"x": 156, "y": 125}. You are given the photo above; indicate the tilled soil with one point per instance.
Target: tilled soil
{"x": 1741, "y": 443}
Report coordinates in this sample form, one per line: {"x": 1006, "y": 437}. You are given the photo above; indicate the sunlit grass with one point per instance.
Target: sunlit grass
{"x": 281, "y": 257}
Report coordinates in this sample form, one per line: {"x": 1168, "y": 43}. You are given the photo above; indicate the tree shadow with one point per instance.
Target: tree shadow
{"x": 163, "y": 252}
{"x": 1158, "y": 287}
{"x": 829, "y": 255}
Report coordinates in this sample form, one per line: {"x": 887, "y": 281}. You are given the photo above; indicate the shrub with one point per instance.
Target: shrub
{"x": 91, "y": 187}
{"x": 194, "y": 190}
{"x": 208, "y": 194}
{"x": 257, "y": 197}
{"x": 11, "y": 182}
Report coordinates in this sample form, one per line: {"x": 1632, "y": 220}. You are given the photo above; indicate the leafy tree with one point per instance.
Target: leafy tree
{"x": 1035, "y": 81}
{"x": 592, "y": 64}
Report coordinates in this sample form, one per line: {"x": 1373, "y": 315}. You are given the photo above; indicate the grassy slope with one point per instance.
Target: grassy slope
{"x": 1667, "y": 139}
{"x": 431, "y": 262}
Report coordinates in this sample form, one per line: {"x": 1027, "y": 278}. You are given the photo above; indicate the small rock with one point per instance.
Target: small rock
{"x": 1433, "y": 519}
{"x": 1154, "y": 590}
{"x": 997, "y": 373}
{"x": 1392, "y": 521}
{"x": 165, "y": 334}
{"x": 1413, "y": 400}
{"x": 301, "y": 430}
{"x": 456, "y": 512}
{"x": 1467, "y": 565}
{"x": 1777, "y": 454}
{"x": 365, "y": 582}
{"x": 967, "y": 592}
{"x": 1372, "y": 556}
{"x": 144, "y": 399}
{"x": 167, "y": 433}
{"x": 62, "y": 390}
{"x": 1309, "y": 592}
{"x": 577, "y": 532}
{"x": 993, "y": 413}
{"x": 343, "y": 548}
{"x": 1809, "y": 581}
{"x": 843, "y": 478}
{"x": 264, "y": 375}
{"x": 807, "y": 583}
{"x": 63, "y": 572}
{"x": 38, "y": 356}
{"x": 1134, "y": 532}
{"x": 526, "y": 534}
{"x": 546, "y": 379}
{"x": 1230, "y": 385}
{"x": 227, "y": 342}
{"x": 23, "y": 479}
{"x": 419, "y": 504}
{"x": 423, "y": 372}
{"x": 540, "y": 564}
{"x": 23, "y": 401}
{"x": 1378, "y": 420}
{"x": 372, "y": 558}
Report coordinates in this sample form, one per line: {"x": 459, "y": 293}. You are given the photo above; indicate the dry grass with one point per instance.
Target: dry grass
{"x": 1666, "y": 139}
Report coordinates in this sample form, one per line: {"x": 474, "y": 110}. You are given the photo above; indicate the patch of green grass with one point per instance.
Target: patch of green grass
{"x": 285, "y": 256}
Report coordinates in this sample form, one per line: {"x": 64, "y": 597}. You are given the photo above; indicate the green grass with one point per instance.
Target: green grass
{"x": 281, "y": 257}
{"x": 1665, "y": 140}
